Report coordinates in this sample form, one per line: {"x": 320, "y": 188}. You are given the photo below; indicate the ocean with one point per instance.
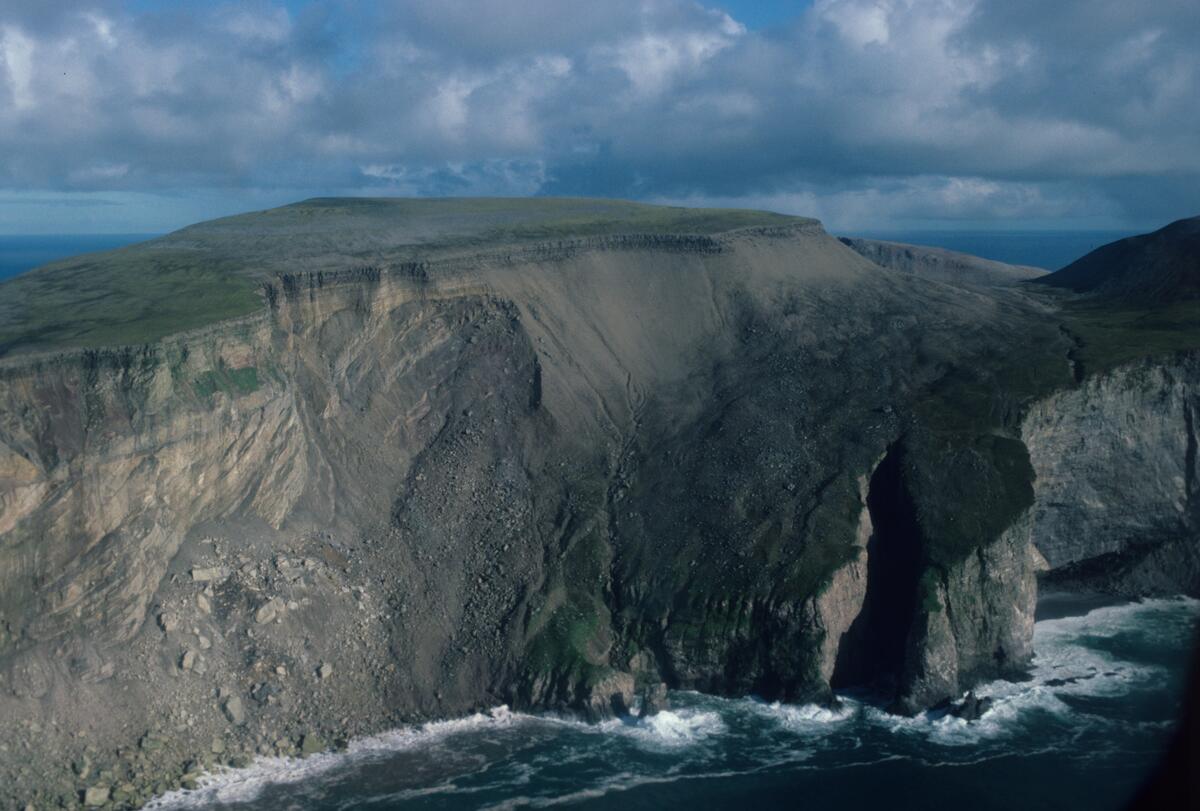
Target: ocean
{"x": 1042, "y": 249}
{"x": 21, "y": 253}
{"x": 1092, "y": 720}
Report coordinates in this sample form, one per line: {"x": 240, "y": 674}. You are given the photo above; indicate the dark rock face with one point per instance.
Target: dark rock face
{"x": 653, "y": 700}
{"x": 1160, "y": 268}
{"x": 939, "y": 264}
{"x": 971, "y": 708}
{"x": 566, "y": 478}
{"x": 876, "y": 650}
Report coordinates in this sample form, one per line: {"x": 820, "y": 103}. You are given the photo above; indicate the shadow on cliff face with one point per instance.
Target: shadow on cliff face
{"x": 873, "y": 651}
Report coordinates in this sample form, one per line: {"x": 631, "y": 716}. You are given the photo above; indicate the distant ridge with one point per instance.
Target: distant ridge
{"x": 939, "y": 264}
{"x": 1155, "y": 268}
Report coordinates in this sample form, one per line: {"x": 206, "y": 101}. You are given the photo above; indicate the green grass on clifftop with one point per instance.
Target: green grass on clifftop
{"x": 1110, "y": 334}
{"x": 131, "y": 296}
{"x": 212, "y": 271}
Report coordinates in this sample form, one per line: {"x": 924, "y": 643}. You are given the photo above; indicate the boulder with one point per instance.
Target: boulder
{"x": 268, "y": 611}
{"x": 654, "y": 700}
{"x": 95, "y": 796}
{"x": 608, "y": 697}
{"x": 311, "y": 744}
{"x": 971, "y": 708}
{"x": 234, "y": 710}
{"x": 210, "y": 574}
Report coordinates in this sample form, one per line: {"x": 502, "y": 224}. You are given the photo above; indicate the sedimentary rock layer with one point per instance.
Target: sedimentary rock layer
{"x": 556, "y": 477}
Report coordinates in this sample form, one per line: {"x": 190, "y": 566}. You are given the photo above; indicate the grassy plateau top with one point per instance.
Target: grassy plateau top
{"x": 212, "y": 271}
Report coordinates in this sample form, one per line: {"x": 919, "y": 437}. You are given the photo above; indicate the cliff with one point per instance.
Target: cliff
{"x": 940, "y": 264}
{"x": 1118, "y": 503}
{"x": 554, "y": 474}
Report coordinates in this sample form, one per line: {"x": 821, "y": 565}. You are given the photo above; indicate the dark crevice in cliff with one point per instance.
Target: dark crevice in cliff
{"x": 1074, "y": 354}
{"x": 873, "y": 651}
{"x": 1189, "y": 461}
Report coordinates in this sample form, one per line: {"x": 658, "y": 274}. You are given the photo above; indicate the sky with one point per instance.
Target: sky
{"x": 126, "y": 116}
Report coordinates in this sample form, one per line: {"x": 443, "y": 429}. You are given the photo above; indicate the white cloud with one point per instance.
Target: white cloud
{"x": 270, "y": 27}
{"x": 654, "y": 61}
{"x": 920, "y": 200}
{"x": 862, "y": 22}
{"x": 99, "y": 173}
{"x": 18, "y": 51}
{"x": 940, "y": 106}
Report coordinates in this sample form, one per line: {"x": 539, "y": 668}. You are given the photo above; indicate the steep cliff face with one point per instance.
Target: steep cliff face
{"x": 974, "y": 622}
{"x": 939, "y": 264}
{"x": 557, "y": 475}
{"x": 432, "y": 481}
{"x": 108, "y": 458}
{"x": 1118, "y": 502}
{"x": 1114, "y": 508}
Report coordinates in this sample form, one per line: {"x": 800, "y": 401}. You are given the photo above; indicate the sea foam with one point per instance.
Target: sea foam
{"x": 1073, "y": 662}
{"x": 246, "y": 784}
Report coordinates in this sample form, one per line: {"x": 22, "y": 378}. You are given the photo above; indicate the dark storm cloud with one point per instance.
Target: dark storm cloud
{"x": 859, "y": 111}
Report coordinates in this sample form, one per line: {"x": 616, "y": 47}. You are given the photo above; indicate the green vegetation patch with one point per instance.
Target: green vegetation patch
{"x": 825, "y": 549}
{"x": 231, "y": 382}
{"x": 126, "y": 297}
{"x": 1109, "y": 334}
{"x": 966, "y": 450}
{"x": 454, "y": 221}
{"x": 967, "y": 490}
{"x": 574, "y": 634}
{"x": 213, "y": 271}
{"x": 927, "y": 590}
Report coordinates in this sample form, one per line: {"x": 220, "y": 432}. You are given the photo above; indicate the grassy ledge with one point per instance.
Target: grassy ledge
{"x": 213, "y": 271}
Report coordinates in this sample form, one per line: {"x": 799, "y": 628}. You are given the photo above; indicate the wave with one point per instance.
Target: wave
{"x": 247, "y": 784}
{"x": 1079, "y": 659}
{"x": 1173, "y": 620}
{"x": 1068, "y": 663}
{"x": 665, "y": 731}
{"x": 668, "y": 729}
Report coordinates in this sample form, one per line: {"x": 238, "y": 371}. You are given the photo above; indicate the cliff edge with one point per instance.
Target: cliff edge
{"x": 721, "y": 452}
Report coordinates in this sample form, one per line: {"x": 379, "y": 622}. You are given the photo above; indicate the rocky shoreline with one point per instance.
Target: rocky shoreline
{"x": 566, "y": 483}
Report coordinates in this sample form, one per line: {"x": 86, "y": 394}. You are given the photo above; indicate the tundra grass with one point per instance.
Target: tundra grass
{"x": 132, "y": 296}
{"x": 1108, "y": 334}
{"x": 212, "y": 271}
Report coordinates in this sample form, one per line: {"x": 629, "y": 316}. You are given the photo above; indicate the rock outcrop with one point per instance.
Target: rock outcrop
{"x": 1118, "y": 500}
{"x": 556, "y": 475}
{"x": 939, "y": 264}
{"x": 974, "y": 622}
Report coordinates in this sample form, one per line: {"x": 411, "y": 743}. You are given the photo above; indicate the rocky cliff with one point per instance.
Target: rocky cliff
{"x": 554, "y": 474}
{"x": 940, "y": 264}
{"x": 1118, "y": 502}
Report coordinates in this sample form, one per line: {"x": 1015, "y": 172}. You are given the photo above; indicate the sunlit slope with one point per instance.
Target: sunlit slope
{"x": 213, "y": 271}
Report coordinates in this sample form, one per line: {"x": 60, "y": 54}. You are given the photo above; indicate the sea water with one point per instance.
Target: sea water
{"x": 21, "y": 253}
{"x": 1091, "y": 721}
{"x": 1049, "y": 250}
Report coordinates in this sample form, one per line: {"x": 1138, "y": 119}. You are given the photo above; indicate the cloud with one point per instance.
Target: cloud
{"x": 862, "y": 111}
